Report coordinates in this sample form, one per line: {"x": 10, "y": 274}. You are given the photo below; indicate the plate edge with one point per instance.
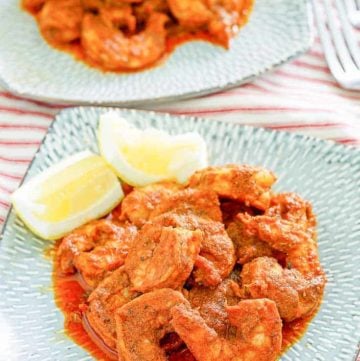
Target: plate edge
{"x": 167, "y": 99}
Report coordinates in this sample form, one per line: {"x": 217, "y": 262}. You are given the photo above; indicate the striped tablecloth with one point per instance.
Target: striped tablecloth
{"x": 300, "y": 97}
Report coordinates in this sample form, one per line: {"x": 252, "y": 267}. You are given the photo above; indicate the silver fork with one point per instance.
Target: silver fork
{"x": 353, "y": 10}
{"x": 340, "y": 47}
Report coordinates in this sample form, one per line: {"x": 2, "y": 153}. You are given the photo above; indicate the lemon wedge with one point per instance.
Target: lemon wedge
{"x": 65, "y": 196}
{"x": 141, "y": 157}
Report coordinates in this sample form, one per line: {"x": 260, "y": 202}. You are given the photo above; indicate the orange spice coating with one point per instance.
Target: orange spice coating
{"x": 95, "y": 249}
{"x": 216, "y": 258}
{"x": 166, "y": 283}
{"x": 112, "y": 293}
{"x": 247, "y": 184}
{"x": 162, "y": 257}
{"x": 143, "y": 322}
{"x": 131, "y": 35}
{"x": 256, "y": 333}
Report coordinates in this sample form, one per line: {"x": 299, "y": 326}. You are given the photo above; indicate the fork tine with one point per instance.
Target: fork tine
{"x": 329, "y": 50}
{"x": 348, "y": 33}
{"x": 339, "y": 42}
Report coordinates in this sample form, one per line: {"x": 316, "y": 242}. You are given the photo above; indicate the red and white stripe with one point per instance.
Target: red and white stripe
{"x": 301, "y": 96}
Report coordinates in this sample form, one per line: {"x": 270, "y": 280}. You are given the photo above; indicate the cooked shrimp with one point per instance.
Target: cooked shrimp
{"x": 112, "y": 293}
{"x": 162, "y": 257}
{"x": 190, "y": 13}
{"x": 201, "y": 202}
{"x": 138, "y": 205}
{"x": 291, "y": 207}
{"x": 216, "y": 258}
{"x": 95, "y": 249}
{"x": 300, "y": 248}
{"x": 247, "y": 246}
{"x": 94, "y": 265}
{"x": 212, "y": 302}
{"x": 247, "y": 184}
{"x": 60, "y": 20}
{"x": 84, "y": 239}
{"x": 143, "y": 322}
{"x": 255, "y": 333}
{"x": 294, "y": 295}
{"x": 298, "y": 290}
{"x": 113, "y": 50}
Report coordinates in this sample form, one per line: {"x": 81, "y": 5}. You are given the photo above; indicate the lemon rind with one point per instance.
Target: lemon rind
{"x": 122, "y": 168}
{"x": 118, "y": 163}
{"x": 55, "y": 230}
{"x": 21, "y": 200}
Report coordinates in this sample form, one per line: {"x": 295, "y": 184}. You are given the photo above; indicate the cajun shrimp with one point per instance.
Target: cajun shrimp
{"x": 294, "y": 295}
{"x": 162, "y": 257}
{"x": 302, "y": 282}
{"x": 138, "y": 205}
{"x": 254, "y": 335}
{"x": 247, "y": 184}
{"x": 211, "y": 303}
{"x": 95, "y": 249}
{"x": 112, "y": 293}
{"x": 143, "y": 322}
{"x": 216, "y": 258}
{"x": 113, "y": 50}
{"x": 60, "y": 20}
{"x": 288, "y": 237}
{"x": 286, "y": 206}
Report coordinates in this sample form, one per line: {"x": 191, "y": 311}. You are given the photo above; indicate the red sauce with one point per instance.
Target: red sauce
{"x": 70, "y": 297}
{"x": 293, "y": 331}
{"x": 175, "y": 38}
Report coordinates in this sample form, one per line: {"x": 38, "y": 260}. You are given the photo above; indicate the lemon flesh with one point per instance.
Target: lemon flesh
{"x": 67, "y": 195}
{"x": 141, "y": 157}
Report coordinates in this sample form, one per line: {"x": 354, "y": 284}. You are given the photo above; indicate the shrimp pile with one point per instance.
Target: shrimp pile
{"x": 211, "y": 269}
{"x": 128, "y": 35}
